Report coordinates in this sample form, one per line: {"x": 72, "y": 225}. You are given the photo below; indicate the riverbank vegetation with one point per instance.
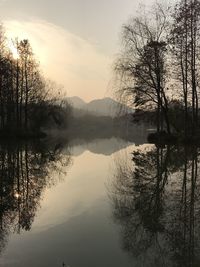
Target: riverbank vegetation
{"x": 159, "y": 65}
{"x": 28, "y": 101}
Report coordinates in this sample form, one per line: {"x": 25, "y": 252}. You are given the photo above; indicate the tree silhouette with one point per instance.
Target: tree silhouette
{"x": 159, "y": 64}
{"x": 25, "y": 95}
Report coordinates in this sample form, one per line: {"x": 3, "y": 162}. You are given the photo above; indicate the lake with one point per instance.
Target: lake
{"x": 104, "y": 202}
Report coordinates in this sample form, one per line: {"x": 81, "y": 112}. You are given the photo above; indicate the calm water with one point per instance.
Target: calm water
{"x": 106, "y": 202}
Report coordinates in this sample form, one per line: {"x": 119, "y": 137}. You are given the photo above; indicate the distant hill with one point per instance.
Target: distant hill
{"x": 76, "y": 102}
{"x": 99, "y": 107}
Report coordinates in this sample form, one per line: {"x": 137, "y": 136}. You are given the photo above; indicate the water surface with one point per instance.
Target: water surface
{"x": 103, "y": 202}
{"x": 73, "y": 221}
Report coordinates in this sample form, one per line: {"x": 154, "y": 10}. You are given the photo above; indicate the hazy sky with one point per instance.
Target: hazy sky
{"x": 75, "y": 41}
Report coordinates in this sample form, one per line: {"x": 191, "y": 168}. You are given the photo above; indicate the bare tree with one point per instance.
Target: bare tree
{"x": 185, "y": 43}
{"x": 142, "y": 63}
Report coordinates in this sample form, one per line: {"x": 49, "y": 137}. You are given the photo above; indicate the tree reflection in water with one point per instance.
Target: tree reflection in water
{"x": 156, "y": 201}
{"x": 24, "y": 174}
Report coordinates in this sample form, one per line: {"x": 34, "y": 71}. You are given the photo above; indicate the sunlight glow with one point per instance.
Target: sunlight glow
{"x": 67, "y": 58}
{"x": 13, "y": 50}
{"x": 17, "y": 195}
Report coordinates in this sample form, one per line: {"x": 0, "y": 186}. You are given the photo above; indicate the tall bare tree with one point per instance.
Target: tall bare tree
{"x": 185, "y": 40}
{"x": 142, "y": 63}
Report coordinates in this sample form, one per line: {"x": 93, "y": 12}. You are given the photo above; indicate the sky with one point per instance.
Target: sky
{"x": 75, "y": 41}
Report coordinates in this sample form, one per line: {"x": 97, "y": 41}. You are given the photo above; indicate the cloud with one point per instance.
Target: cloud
{"x": 65, "y": 57}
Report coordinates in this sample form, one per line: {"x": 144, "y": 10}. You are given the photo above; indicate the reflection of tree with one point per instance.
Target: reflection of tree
{"x": 184, "y": 227}
{"x": 24, "y": 174}
{"x": 157, "y": 204}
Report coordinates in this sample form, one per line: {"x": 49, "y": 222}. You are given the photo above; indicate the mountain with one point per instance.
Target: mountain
{"x": 99, "y": 107}
{"x": 76, "y": 102}
{"x": 98, "y": 146}
{"x": 105, "y": 107}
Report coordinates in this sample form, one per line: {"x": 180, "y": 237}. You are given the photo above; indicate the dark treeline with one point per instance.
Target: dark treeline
{"x": 24, "y": 174}
{"x": 26, "y": 100}
{"x": 156, "y": 201}
{"x": 158, "y": 68}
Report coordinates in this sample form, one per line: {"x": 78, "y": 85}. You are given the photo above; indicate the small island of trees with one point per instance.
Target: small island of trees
{"x": 159, "y": 68}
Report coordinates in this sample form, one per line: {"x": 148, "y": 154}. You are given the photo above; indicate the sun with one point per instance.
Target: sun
{"x": 13, "y": 50}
